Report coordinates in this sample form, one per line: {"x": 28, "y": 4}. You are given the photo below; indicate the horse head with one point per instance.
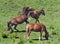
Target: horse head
{"x": 42, "y": 11}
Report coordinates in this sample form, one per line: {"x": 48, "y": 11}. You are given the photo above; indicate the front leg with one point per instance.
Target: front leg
{"x": 40, "y": 38}
{"x": 26, "y": 21}
{"x": 28, "y": 33}
{"x": 15, "y": 28}
{"x": 37, "y": 21}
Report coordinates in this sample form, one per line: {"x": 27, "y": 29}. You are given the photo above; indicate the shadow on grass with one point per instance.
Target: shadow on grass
{"x": 38, "y": 39}
{"x": 20, "y": 31}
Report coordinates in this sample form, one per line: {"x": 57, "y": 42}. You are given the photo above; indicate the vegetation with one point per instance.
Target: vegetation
{"x": 13, "y": 8}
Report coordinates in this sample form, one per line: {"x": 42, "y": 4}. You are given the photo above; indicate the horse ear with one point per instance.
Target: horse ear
{"x": 42, "y": 9}
{"x": 25, "y": 8}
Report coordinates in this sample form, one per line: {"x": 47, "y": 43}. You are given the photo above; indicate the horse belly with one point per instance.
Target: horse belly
{"x": 34, "y": 16}
{"x": 37, "y": 30}
{"x": 21, "y": 20}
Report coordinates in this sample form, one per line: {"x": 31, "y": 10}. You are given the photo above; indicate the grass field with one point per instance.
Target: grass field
{"x": 13, "y": 8}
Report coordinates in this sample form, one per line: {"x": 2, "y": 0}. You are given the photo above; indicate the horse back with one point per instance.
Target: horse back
{"x": 19, "y": 19}
{"x": 36, "y": 26}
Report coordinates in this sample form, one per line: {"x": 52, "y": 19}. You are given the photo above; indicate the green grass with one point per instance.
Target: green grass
{"x": 13, "y": 8}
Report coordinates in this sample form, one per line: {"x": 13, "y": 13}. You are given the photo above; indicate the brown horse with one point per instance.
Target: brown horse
{"x": 37, "y": 27}
{"x": 18, "y": 20}
{"x": 35, "y": 14}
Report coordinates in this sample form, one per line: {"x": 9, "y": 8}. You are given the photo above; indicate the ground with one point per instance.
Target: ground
{"x": 13, "y": 8}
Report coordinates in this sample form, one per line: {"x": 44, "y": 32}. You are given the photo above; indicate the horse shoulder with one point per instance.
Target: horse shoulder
{"x": 36, "y": 13}
{"x": 42, "y": 26}
{"x": 31, "y": 25}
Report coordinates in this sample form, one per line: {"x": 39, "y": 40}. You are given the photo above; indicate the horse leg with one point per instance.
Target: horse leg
{"x": 26, "y": 21}
{"x": 40, "y": 38}
{"x": 11, "y": 28}
{"x": 15, "y": 27}
{"x": 28, "y": 34}
{"x": 37, "y": 20}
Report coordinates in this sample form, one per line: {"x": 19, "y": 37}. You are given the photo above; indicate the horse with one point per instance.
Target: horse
{"x": 37, "y": 27}
{"x": 35, "y": 14}
{"x": 18, "y": 20}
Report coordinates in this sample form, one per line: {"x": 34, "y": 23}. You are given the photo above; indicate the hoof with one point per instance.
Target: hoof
{"x": 17, "y": 30}
{"x": 41, "y": 39}
{"x": 46, "y": 38}
{"x": 8, "y": 30}
{"x": 11, "y": 32}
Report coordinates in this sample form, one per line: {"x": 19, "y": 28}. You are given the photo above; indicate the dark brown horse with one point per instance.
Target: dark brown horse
{"x": 18, "y": 20}
{"x": 37, "y": 27}
{"x": 35, "y": 14}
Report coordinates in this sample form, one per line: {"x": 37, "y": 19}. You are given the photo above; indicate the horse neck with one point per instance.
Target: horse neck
{"x": 39, "y": 12}
{"x": 45, "y": 31}
{"x": 26, "y": 13}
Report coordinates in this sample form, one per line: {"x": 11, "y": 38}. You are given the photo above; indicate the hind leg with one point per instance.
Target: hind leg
{"x": 15, "y": 27}
{"x": 9, "y": 29}
{"x": 28, "y": 34}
